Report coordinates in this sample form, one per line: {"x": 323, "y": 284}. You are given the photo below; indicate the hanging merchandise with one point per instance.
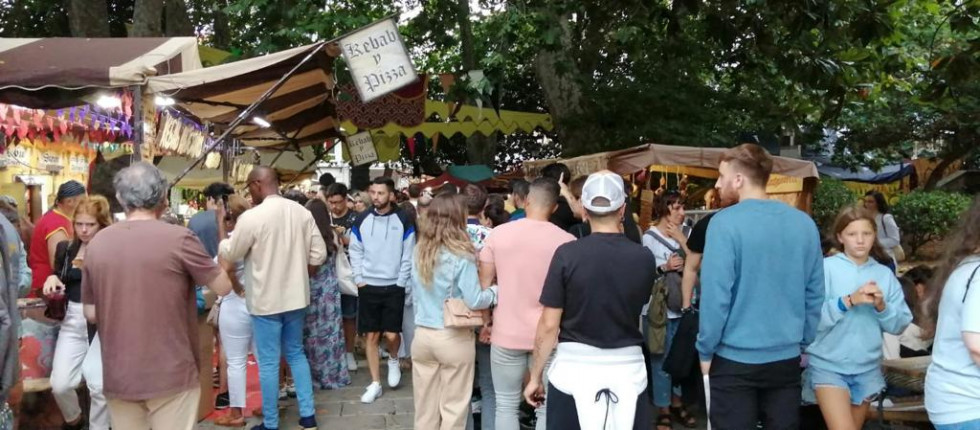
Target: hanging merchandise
{"x": 213, "y": 160}
{"x": 180, "y": 135}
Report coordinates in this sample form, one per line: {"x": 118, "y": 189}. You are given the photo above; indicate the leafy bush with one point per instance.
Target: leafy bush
{"x": 830, "y": 197}
{"x": 927, "y": 215}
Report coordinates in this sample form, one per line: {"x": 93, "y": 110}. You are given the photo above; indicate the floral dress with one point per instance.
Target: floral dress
{"x": 323, "y": 335}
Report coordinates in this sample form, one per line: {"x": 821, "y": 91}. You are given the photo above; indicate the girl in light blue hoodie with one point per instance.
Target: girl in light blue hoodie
{"x": 863, "y": 299}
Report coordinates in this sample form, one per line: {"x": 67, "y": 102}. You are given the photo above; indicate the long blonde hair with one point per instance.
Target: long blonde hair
{"x": 443, "y": 226}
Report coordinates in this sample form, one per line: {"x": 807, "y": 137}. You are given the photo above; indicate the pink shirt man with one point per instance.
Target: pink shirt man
{"x": 521, "y": 252}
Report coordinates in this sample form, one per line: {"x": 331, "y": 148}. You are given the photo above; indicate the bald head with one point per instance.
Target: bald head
{"x": 262, "y": 182}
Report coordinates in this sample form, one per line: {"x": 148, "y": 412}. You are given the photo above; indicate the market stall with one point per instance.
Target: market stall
{"x": 793, "y": 181}
{"x": 62, "y": 100}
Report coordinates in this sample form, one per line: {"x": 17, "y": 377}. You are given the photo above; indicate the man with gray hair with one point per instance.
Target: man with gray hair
{"x": 138, "y": 287}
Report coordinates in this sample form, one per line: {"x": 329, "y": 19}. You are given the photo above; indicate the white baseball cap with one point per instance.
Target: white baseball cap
{"x": 604, "y": 185}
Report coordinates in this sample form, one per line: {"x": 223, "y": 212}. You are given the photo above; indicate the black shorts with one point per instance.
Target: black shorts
{"x": 380, "y": 309}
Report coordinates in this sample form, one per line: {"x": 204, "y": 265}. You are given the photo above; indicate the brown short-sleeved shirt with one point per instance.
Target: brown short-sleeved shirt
{"x": 140, "y": 275}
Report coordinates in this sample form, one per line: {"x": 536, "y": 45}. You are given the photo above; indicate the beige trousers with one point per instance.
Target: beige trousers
{"x": 177, "y": 412}
{"x": 443, "y": 362}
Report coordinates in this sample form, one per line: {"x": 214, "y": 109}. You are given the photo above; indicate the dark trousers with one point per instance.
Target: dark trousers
{"x": 743, "y": 394}
{"x": 563, "y": 415}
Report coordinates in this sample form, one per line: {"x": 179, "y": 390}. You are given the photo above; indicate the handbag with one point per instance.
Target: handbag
{"x": 345, "y": 274}
{"x": 56, "y": 305}
{"x": 213, "y": 315}
{"x": 455, "y": 313}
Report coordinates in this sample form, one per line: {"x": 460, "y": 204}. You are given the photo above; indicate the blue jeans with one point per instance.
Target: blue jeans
{"x": 662, "y": 385}
{"x": 966, "y": 425}
{"x": 276, "y": 335}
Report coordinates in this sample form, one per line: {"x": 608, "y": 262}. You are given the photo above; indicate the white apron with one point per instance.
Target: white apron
{"x": 605, "y": 383}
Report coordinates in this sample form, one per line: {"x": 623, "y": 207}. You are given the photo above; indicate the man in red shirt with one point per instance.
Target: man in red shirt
{"x": 53, "y": 228}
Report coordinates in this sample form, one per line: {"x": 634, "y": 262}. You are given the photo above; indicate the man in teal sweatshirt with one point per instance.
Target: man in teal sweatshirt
{"x": 762, "y": 291}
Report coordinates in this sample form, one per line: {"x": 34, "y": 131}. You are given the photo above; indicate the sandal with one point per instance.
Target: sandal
{"x": 665, "y": 422}
{"x": 685, "y": 417}
{"x": 228, "y": 421}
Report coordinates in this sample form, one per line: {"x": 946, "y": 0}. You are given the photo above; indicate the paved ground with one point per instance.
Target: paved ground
{"x": 342, "y": 409}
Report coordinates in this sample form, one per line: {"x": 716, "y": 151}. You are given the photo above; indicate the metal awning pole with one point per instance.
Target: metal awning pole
{"x": 314, "y": 161}
{"x": 248, "y": 111}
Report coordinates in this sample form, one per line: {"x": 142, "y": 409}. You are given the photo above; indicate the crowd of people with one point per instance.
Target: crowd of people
{"x": 562, "y": 303}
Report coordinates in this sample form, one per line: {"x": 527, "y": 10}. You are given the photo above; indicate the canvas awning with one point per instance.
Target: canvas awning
{"x": 301, "y": 111}
{"x": 641, "y": 157}
{"x": 288, "y": 165}
{"x": 60, "y": 72}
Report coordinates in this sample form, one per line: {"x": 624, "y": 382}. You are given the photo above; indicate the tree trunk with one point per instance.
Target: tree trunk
{"x": 481, "y": 149}
{"x": 221, "y": 39}
{"x": 88, "y": 18}
{"x": 147, "y": 18}
{"x": 465, "y": 34}
{"x": 178, "y": 23}
{"x": 564, "y": 94}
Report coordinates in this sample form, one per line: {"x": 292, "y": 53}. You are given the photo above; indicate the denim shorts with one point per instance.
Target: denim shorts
{"x": 968, "y": 425}
{"x": 348, "y": 307}
{"x": 864, "y": 387}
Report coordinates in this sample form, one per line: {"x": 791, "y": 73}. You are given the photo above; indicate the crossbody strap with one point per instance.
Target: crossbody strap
{"x": 970, "y": 281}
{"x": 661, "y": 240}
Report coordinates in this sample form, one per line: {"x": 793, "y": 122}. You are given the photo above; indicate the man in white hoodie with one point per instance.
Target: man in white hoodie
{"x": 382, "y": 240}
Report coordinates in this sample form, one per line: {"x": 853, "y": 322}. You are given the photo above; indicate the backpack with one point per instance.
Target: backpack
{"x": 662, "y": 299}
{"x": 657, "y": 318}
{"x": 672, "y": 279}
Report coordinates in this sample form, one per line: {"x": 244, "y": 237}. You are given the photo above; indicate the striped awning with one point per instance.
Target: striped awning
{"x": 61, "y": 72}
{"x": 301, "y": 112}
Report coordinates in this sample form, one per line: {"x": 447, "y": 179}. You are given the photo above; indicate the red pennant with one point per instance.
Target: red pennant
{"x": 63, "y": 126}
{"x": 38, "y": 119}
{"x": 50, "y": 121}
{"x": 411, "y": 145}
{"x": 22, "y": 129}
{"x": 8, "y": 130}
{"x": 3, "y": 111}
{"x": 16, "y": 116}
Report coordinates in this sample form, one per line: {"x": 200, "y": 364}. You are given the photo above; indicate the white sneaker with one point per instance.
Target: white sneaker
{"x": 372, "y": 393}
{"x": 394, "y": 373}
{"x": 351, "y": 362}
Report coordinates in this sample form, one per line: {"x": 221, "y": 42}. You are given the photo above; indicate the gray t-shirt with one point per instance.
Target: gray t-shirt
{"x": 205, "y": 227}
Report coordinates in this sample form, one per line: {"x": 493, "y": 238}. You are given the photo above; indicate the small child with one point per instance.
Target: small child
{"x": 863, "y": 299}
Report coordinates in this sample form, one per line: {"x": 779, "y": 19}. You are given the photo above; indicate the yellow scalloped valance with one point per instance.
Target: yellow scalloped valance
{"x": 471, "y": 119}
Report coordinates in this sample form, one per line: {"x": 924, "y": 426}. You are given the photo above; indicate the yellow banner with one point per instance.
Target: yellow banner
{"x": 892, "y": 190}
{"x": 779, "y": 184}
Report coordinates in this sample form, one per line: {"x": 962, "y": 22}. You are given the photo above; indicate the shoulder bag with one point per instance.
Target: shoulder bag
{"x": 345, "y": 274}
{"x": 56, "y": 304}
{"x": 455, "y": 313}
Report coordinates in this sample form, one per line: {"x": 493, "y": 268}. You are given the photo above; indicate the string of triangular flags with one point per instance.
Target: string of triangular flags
{"x": 87, "y": 124}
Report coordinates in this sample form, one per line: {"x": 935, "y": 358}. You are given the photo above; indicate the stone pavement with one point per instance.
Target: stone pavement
{"x": 342, "y": 409}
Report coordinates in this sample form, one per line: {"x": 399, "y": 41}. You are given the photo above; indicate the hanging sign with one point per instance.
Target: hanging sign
{"x": 78, "y": 163}
{"x": 361, "y": 148}
{"x": 378, "y": 60}
{"x": 51, "y": 161}
{"x": 19, "y": 155}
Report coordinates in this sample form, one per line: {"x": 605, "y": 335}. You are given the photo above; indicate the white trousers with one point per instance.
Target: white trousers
{"x": 235, "y": 328}
{"x": 74, "y": 359}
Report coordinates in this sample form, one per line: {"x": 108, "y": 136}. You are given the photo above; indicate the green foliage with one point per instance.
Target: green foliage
{"x": 830, "y": 197}
{"x": 923, "y": 216}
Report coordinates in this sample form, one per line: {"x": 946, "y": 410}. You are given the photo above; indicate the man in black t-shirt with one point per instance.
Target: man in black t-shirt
{"x": 342, "y": 219}
{"x": 695, "y": 244}
{"x": 599, "y": 373}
